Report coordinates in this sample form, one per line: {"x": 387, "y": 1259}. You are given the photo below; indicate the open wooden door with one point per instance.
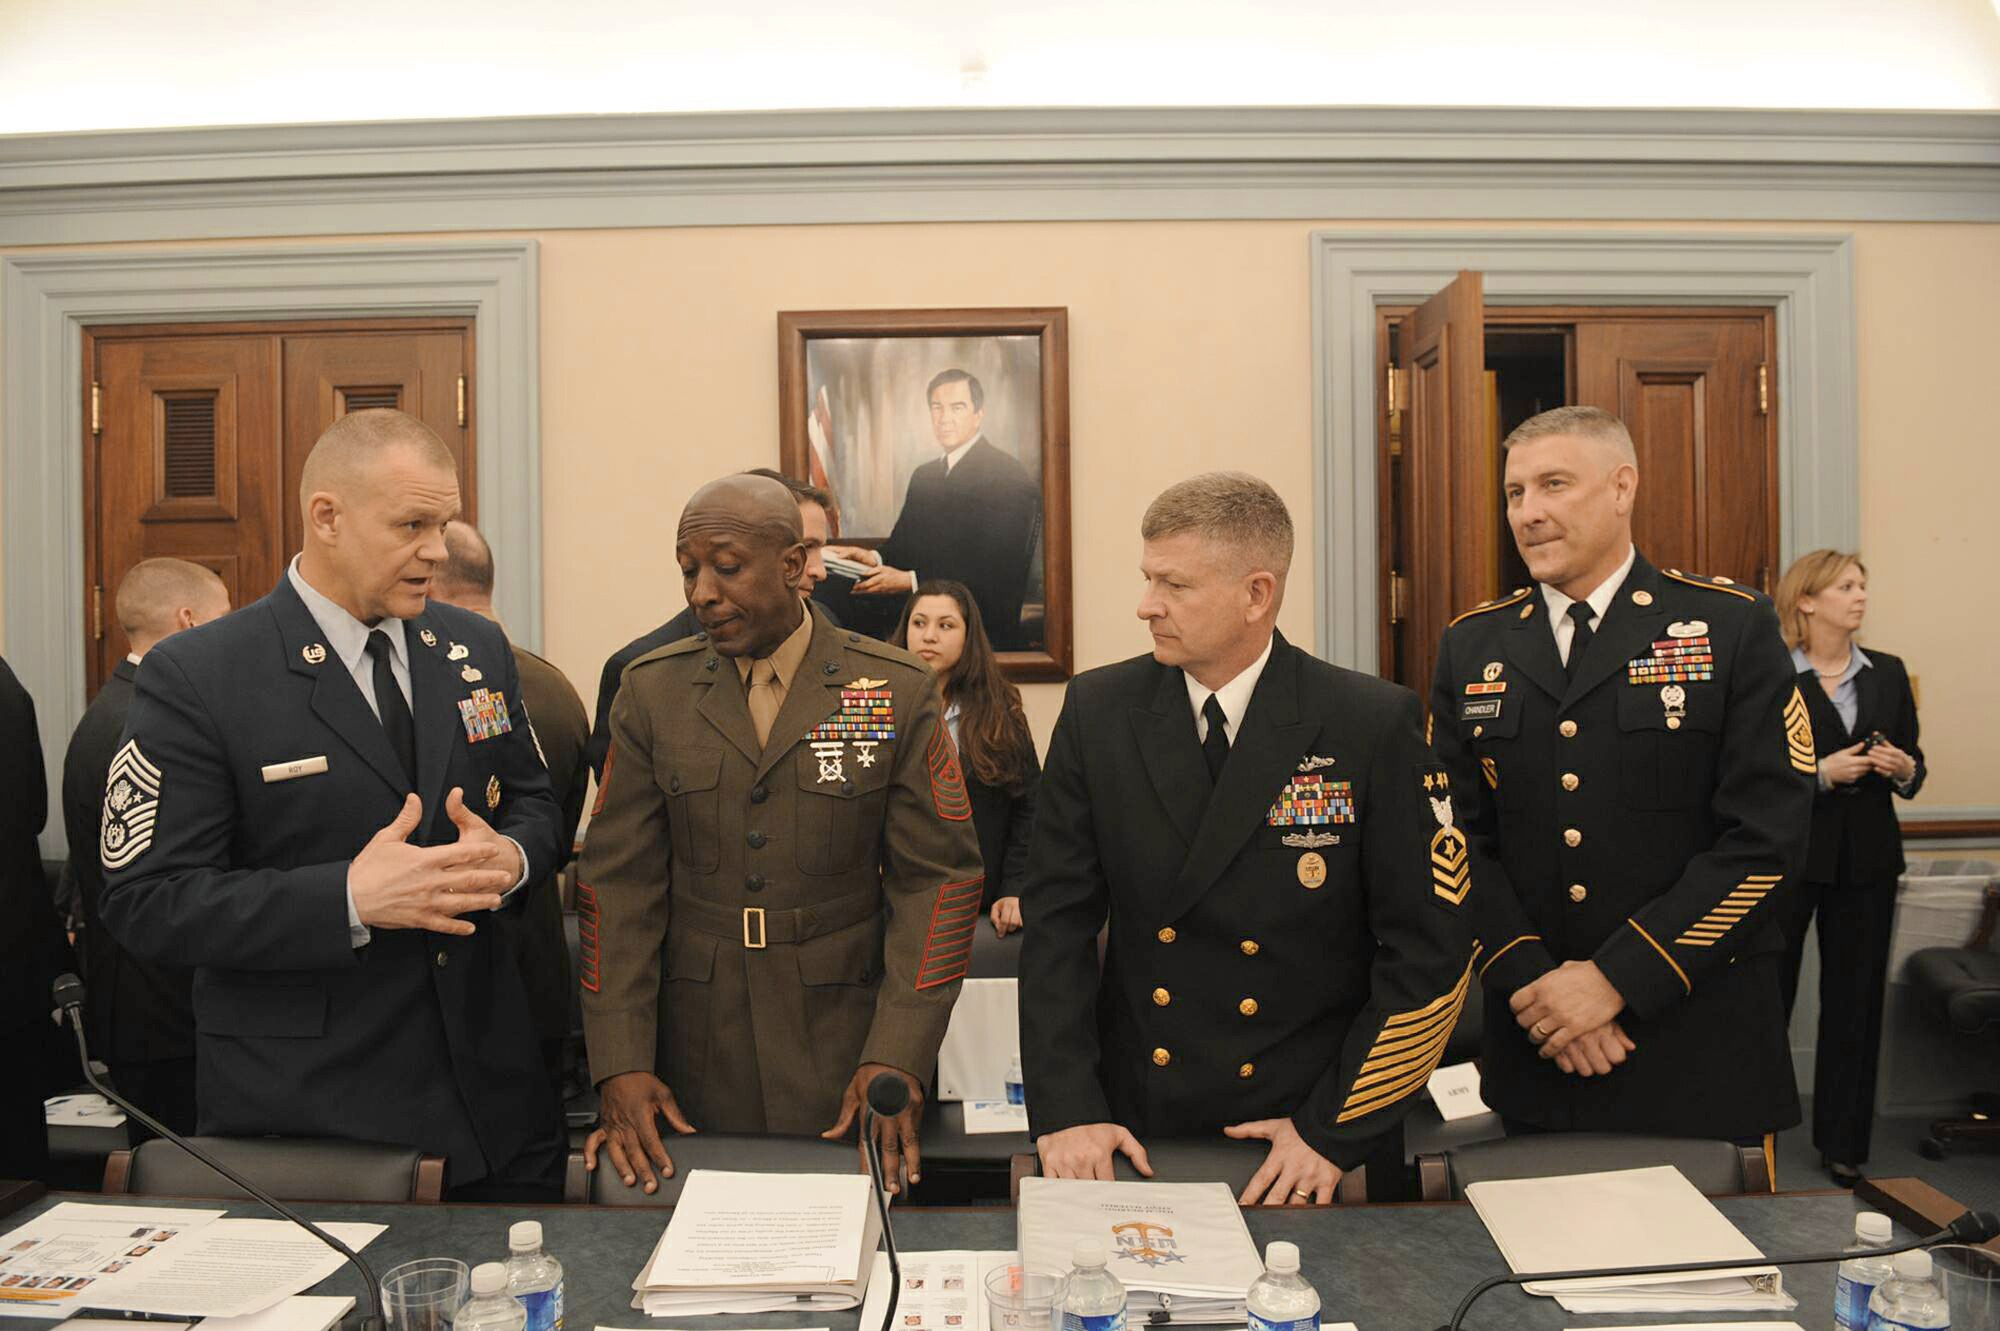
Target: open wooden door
{"x": 1447, "y": 551}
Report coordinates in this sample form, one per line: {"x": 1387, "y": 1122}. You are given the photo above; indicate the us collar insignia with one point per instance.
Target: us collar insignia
{"x": 430, "y": 638}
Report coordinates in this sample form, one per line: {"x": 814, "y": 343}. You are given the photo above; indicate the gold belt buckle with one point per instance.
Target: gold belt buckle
{"x": 753, "y": 914}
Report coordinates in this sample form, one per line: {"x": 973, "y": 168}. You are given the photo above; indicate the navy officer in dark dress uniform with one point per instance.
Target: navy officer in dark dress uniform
{"x": 1634, "y": 766}
{"x": 1275, "y": 849}
{"x": 317, "y": 802}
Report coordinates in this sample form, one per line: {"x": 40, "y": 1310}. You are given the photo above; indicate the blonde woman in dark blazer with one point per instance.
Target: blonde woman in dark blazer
{"x": 1864, "y": 721}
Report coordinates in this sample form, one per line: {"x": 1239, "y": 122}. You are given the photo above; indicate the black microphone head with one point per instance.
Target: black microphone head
{"x": 67, "y": 991}
{"x": 888, "y": 1094}
{"x": 1976, "y": 1227}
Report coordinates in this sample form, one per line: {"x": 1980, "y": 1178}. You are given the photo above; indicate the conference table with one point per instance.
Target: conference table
{"x": 1385, "y": 1268}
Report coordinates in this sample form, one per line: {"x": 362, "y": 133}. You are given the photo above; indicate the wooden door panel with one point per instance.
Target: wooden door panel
{"x": 329, "y": 375}
{"x": 185, "y": 465}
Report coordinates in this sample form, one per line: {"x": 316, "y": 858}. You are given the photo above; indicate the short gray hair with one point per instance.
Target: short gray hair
{"x": 1232, "y": 508}
{"x": 1582, "y": 422}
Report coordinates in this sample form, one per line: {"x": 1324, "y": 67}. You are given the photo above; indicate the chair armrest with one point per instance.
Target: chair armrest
{"x": 576, "y": 1181}
{"x": 428, "y": 1190}
{"x": 1433, "y": 1177}
{"x": 1352, "y": 1190}
{"x": 1989, "y": 915}
{"x": 1026, "y": 1165}
{"x": 118, "y": 1173}
{"x": 1756, "y": 1170}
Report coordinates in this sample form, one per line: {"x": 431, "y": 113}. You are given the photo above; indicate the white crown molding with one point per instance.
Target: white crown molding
{"x": 961, "y": 165}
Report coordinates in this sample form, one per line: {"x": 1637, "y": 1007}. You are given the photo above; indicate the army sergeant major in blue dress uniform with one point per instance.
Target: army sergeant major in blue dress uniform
{"x": 1634, "y": 768}
{"x": 304, "y": 808}
{"x": 1275, "y": 849}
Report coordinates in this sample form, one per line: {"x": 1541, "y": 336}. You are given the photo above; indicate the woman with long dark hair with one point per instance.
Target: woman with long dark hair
{"x": 983, "y": 712}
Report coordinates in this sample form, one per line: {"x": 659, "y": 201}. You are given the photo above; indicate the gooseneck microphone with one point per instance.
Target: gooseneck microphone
{"x": 1971, "y": 1227}
{"x": 67, "y": 992}
{"x": 888, "y": 1096}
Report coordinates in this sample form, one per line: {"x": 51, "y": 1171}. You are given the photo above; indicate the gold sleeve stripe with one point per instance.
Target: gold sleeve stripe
{"x": 1524, "y": 938}
{"x": 1409, "y": 1049}
{"x": 1513, "y": 598}
{"x": 1731, "y": 909}
{"x": 1799, "y": 735}
{"x": 1705, "y": 584}
{"x": 1664, "y": 956}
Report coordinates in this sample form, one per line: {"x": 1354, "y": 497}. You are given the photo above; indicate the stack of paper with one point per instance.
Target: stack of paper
{"x": 754, "y": 1243}
{"x": 1181, "y": 1250}
{"x": 1629, "y": 1217}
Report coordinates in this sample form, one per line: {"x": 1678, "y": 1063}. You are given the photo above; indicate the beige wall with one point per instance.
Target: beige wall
{"x": 1190, "y": 348}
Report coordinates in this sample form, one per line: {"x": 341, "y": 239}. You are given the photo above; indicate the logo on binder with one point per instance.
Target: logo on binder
{"x": 1144, "y": 1242}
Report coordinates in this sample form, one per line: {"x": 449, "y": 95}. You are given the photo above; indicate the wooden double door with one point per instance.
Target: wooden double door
{"x": 1694, "y": 385}
{"x": 198, "y": 434}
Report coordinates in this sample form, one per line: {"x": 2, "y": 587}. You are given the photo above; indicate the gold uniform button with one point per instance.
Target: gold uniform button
{"x": 1571, "y": 781}
{"x": 1673, "y": 723}
{"x": 1577, "y": 892}
{"x": 1248, "y": 1007}
{"x": 1167, "y": 935}
{"x": 1161, "y": 998}
{"x": 1477, "y": 731}
{"x": 1161, "y": 1058}
{"x": 1572, "y": 837}
{"x": 1249, "y": 946}
{"x": 1247, "y": 1070}
{"x": 1567, "y": 729}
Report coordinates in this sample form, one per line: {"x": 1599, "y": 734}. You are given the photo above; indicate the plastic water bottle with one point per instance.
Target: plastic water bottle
{"x": 1094, "y": 1299}
{"x": 1016, "y": 1090}
{"x": 1909, "y": 1300}
{"x": 1282, "y": 1299}
{"x": 1859, "y": 1276}
{"x": 491, "y": 1307}
{"x": 534, "y": 1277}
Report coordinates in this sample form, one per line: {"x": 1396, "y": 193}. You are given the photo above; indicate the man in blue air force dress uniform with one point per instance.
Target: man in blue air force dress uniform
{"x": 305, "y": 809}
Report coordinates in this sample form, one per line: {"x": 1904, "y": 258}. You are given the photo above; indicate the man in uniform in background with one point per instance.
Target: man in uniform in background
{"x": 140, "y": 1016}
{"x": 1634, "y": 766}
{"x": 775, "y": 788}
{"x": 1274, "y": 848}
{"x": 820, "y": 519}
{"x": 317, "y": 802}
{"x": 465, "y": 580}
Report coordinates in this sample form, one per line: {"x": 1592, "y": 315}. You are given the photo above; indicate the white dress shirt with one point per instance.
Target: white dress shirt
{"x": 1234, "y": 697}
{"x": 347, "y": 638}
{"x": 954, "y": 456}
{"x": 1599, "y": 602}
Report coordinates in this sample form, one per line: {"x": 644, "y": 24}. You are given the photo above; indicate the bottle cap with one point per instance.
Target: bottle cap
{"x": 1282, "y": 1258}
{"x": 524, "y": 1235}
{"x": 1087, "y": 1253}
{"x": 1873, "y": 1228}
{"x": 489, "y": 1278}
{"x": 1913, "y": 1265}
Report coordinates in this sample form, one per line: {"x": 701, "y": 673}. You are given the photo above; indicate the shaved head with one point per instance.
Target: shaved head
{"x": 346, "y": 456}
{"x": 742, "y": 554}
{"x": 160, "y": 597}
{"x": 747, "y": 507}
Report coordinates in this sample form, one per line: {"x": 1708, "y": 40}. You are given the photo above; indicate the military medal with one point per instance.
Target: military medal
{"x": 830, "y": 754}
{"x": 1308, "y": 801}
{"x": 314, "y": 653}
{"x": 1687, "y": 628}
{"x": 1492, "y": 671}
{"x": 1674, "y": 698}
{"x": 1312, "y": 762}
{"x": 1312, "y": 870}
{"x": 430, "y": 638}
{"x": 471, "y": 675}
{"x": 492, "y": 793}
{"x": 1309, "y": 840}
{"x": 458, "y": 652}
{"x": 864, "y": 751}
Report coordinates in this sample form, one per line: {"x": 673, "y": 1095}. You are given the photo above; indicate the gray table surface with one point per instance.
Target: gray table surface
{"x": 1386, "y": 1268}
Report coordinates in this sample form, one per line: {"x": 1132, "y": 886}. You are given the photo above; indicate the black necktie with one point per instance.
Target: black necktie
{"x": 1579, "y": 613}
{"x": 1216, "y": 747}
{"x": 389, "y": 703}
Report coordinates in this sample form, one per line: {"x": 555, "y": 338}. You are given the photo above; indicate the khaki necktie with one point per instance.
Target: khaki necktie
{"x": 764, "y": 699}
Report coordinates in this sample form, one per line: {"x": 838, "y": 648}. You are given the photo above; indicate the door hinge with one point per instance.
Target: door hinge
{"x": 1399, "y": 592}
{"x": 461, "y": 401}
{"x": 1395, "y": 389}
{"x": 1763, "y": 390}
{"x": 97, "y": 614}
{"x": 96, "y": 408}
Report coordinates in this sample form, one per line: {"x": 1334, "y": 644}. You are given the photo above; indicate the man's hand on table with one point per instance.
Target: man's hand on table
{"x": 628, "y": 1108}
{"x": 1085, "y": 1151}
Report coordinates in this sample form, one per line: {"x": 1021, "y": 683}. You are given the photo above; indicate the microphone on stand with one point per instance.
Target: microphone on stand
{"x": 888, "y": 1096}
{"x": 1971, "y": 1227}
{"x": 67, "y": 993}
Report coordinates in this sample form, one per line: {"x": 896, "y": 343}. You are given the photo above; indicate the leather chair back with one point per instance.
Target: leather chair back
{"x": 1717, "y": 1168}
{"x": 301, "y": 1169}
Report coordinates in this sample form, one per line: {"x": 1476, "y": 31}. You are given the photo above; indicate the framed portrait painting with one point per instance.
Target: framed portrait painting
{"x": 943, "y": 436}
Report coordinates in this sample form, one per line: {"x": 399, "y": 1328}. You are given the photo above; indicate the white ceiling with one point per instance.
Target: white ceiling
{"x": 102, "y": 64}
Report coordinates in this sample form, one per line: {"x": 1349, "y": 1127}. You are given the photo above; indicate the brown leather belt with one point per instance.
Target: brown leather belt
{"x": 756, "y": 927}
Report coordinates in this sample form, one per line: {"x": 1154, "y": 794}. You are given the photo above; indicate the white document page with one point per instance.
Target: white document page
{"x": 234, "y": 1267}
{"x": 301, "y": 1312}
{"x": 1185, "y": 1240}
{"x": 752, "y": 1231}
{"x": 68, "y": 1256}
{"x": 1629, "y": 1217}
{"x": 984, "y": 1036}
{"x": 983, "y": 1116}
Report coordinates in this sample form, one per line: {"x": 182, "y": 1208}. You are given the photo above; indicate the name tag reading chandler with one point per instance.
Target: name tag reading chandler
{"x": 295, "y": 769}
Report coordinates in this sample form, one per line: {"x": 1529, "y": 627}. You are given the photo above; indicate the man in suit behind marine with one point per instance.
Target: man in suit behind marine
{"x": 140, "y": 1016}
{"x": 292, "y": 812}
{"x": 1634, "y": 766}
{"x": 465, "y": 580}
{"x": 781, "y": 879}
{"x": 1272, "y": 845}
